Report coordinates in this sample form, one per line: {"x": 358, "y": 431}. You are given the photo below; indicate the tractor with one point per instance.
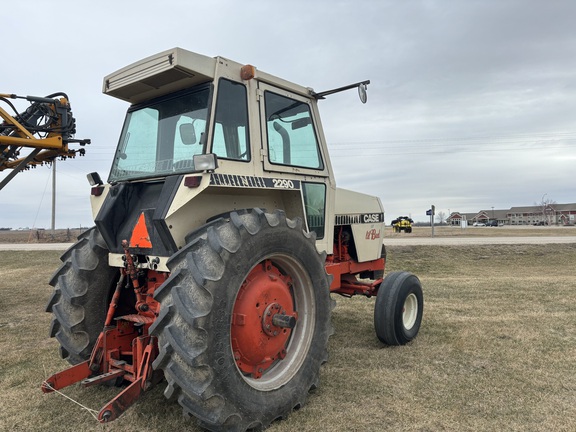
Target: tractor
{"x": 403, "y": 223}
{"x": 219, "y": 238}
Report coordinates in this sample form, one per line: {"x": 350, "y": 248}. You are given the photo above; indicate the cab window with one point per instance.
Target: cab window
{"x": 291, "y": 136}
{"x": 161, "y": 137}
{"x": 230, "y": 140}
{"x": 314, "y": 195}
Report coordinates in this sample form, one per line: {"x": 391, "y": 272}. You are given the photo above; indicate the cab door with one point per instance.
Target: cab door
{"x": 291, "y": 143}
{"x": 291, "y": 146}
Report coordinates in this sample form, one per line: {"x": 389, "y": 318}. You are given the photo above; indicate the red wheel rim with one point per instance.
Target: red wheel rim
{"x": 257, "y": 342}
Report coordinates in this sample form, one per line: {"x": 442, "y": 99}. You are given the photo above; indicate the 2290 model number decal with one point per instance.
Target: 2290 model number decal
{"x": 230, "y": 180}
{"x": 283, "y": 183}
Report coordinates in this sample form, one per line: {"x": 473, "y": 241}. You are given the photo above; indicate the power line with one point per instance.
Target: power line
{"x": 508, "y": 138}
{"x": 403, "y": 153}
{"x": 514, "y": 143}
{"x": 395, "y": 144}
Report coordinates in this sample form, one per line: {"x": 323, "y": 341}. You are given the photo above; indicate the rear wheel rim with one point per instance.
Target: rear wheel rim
{"x": 410, "y": 311}
{"x": 268, "y": 356}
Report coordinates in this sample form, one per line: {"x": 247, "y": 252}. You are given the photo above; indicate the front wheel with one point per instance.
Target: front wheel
{"x": 244, "y": 320}
{"x": 398, "y": 309}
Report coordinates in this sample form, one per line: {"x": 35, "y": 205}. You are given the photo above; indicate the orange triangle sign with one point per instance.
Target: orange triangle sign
{"x": 140, "y": 237}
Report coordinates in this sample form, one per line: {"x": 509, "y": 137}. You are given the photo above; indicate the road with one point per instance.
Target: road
{"x": 451, "y": 241}
{"x": 34, "y": 246}
{"x": 388, "y": 241}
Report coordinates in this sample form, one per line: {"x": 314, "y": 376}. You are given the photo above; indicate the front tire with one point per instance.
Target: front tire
{"x": 226, "y": 359}
{"x": 398, "y": 308}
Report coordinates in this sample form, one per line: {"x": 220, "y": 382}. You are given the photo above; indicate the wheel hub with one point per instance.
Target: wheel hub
{"x": 275, "y": 320}
{"x": 262, "y": 320}
{"x": 410, "y": 311}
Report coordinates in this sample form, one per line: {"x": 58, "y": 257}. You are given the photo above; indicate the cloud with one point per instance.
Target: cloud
{"x": 471, "y": 103}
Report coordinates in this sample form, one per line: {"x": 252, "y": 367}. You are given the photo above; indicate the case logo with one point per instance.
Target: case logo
{"x": 371, "y": 218}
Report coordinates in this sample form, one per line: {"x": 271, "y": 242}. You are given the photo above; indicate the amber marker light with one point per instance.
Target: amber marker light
{"x": 247, "y": 72}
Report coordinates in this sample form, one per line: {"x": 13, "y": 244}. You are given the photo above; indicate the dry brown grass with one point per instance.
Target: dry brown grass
{"x": 496, "y": 351}
{"x": 503, "y": 231}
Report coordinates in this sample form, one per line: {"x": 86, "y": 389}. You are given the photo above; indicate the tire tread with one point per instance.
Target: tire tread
{"x": 201, "y": 265}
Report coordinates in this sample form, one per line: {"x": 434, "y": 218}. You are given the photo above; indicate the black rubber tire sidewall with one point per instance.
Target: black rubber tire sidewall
{"x": 388, "y": 309}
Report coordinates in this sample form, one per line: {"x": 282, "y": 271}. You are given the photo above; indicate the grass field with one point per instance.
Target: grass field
{"x": 70, "y": 235}
{"x": 503, "y": 231}
{"x": 496, "y": 351}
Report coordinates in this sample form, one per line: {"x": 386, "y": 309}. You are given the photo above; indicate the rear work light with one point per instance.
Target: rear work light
{"x": 205, "y": 162}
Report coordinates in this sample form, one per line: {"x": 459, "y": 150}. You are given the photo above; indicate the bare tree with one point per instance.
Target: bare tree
{"x": 440, "y": 217}
{"x": 548, "y": 209}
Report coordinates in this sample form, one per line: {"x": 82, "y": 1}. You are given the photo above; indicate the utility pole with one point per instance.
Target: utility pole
{"x": 53, "y": 195}
{"x": 432, "y": 218}
{"x": 431, "y": 212}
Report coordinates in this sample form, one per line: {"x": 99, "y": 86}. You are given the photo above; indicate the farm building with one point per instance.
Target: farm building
{"x": 551, "y": 214}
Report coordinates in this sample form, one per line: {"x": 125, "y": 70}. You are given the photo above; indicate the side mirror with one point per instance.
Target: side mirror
{"x": 362, "y": 92}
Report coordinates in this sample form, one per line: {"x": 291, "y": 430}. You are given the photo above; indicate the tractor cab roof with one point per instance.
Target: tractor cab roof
{"x": 177, "y": 69}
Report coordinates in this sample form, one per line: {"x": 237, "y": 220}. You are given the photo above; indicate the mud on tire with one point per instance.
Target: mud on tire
{"x": 221, "y": 274}
{"x": 80, "y": 298}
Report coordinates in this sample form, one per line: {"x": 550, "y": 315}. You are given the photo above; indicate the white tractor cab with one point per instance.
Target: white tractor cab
{"x": 210, "y": 136}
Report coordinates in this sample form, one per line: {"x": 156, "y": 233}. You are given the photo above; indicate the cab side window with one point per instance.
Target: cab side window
{"x": 231, "y": 140}
{"x": 315, "y": 205}
{"x": 291, "y": 136}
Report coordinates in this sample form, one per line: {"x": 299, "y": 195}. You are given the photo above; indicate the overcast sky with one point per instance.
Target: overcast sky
{"x": 471, "y": 104}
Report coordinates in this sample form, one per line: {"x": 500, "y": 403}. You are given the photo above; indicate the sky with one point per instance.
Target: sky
{"x": 471, "y": 103}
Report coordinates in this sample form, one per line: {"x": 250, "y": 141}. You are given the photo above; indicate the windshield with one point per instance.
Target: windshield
{"x": 162, "y": 137}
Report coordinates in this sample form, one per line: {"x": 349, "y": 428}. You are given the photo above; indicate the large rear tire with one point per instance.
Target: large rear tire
{"x": 226, "y": 358}
{"x": 82, "y": 286}
{"x": 398, "y": 308}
